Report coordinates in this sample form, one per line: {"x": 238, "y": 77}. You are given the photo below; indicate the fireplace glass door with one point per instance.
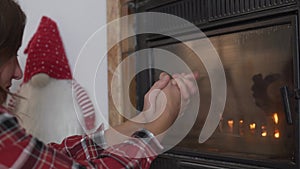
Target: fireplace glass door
{"x": 257, "y": 61}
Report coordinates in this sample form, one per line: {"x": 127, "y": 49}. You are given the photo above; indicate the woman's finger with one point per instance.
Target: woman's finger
{"x": 183, "y": 88}
{"x": 162, "y": 82}
{"x": 162, "y": 75}
{"x": 190, "y": 76}
{"x": 190, "y": 83}
{"x": 176, "y": 75}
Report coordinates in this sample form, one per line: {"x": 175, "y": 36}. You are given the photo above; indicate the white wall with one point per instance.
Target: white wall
{"x": 77, "y": 20}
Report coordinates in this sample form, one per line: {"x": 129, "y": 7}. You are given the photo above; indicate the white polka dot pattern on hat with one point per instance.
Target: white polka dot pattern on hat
{"x": 46, "y": 53}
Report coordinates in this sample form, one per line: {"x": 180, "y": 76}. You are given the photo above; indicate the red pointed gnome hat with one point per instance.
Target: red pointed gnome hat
{"x": 46, "y": 53}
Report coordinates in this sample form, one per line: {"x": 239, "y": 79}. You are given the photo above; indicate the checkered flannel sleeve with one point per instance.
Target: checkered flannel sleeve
{"x": 20, "y": 150}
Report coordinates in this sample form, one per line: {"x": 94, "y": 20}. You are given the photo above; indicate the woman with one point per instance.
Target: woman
{"x": 21, "y": 150}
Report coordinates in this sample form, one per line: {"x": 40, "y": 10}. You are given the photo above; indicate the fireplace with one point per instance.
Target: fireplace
{"x": 257, "y": 41}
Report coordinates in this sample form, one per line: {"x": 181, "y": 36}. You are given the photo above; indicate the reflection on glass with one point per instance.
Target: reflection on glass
{"x": 257, "y": 63}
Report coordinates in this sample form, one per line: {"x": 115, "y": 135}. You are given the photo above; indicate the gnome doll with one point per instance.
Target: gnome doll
{"x": 48, "y": 110}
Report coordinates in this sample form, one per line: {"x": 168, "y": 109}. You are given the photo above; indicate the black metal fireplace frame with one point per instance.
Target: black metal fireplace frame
{"x": 213, "y": 21}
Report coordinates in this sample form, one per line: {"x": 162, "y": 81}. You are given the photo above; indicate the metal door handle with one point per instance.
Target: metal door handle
{"x": 286, "y": 104}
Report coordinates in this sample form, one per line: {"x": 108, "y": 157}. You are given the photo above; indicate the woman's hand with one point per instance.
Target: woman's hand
{"x": 153, "y": 109}
{"x": 162, "y": 104}
{"x": 169, "y": 102}
{"x": 187, "y": 86}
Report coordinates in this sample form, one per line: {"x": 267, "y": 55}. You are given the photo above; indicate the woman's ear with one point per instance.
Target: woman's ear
{"x": 39, "y": 80}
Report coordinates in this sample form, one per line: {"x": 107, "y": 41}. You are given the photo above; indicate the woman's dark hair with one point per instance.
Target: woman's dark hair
{"x": 12, "y": 23}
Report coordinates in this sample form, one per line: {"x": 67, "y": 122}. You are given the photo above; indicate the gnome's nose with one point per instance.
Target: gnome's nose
{"x": 40, "y": 80}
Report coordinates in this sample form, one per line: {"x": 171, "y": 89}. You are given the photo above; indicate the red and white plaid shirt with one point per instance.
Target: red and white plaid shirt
{"x": 20, "y": 150}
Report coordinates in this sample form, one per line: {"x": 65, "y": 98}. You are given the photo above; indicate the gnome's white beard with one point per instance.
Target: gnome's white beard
{"x": 48, "y": 112}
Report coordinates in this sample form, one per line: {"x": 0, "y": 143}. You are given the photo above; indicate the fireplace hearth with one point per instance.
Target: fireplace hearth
{"x": 258, "y": 44}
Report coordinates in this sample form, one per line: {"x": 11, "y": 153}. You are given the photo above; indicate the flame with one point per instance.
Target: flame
{"x": 252, "y": 126}
{"x": 241, "y": 121}
{"x": 276, "y": 133}
{"x": 230, "y": 123}
{"x": 275, "y": 118}
{"x": 264, "y": 132}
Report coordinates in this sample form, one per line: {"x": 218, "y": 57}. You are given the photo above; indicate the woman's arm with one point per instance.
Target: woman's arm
{"x": 19, "y": 149}
{"x": 162, "y": 104}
